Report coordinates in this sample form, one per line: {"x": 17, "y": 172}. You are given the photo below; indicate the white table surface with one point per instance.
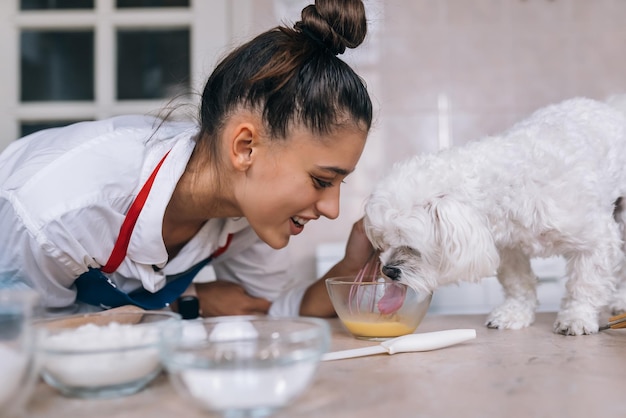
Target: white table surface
{"x": 526, "y": 373}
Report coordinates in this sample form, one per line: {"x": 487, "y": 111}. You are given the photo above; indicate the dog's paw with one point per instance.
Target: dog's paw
{"x": 584, "y": 324}
{"x": 512, "y": 314}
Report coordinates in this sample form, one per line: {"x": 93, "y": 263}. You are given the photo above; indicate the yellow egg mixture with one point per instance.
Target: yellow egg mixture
{"x": 393, "y": 326}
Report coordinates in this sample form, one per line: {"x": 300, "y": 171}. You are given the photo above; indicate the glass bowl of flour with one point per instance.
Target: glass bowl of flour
{"x": 17, "y": 342}
{"x": 102, "y": 355}
{"x": 244, "y": 365}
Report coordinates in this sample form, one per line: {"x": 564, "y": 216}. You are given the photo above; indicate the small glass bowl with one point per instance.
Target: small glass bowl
{"x": 18, "y": 371}
{"x": 244, "y": 365}
{"x": 102, "y": 355}
{"x": 379, "y": 309}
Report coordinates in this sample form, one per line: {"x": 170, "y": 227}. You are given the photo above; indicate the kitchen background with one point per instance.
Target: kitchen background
{"x": 440, "y": 72}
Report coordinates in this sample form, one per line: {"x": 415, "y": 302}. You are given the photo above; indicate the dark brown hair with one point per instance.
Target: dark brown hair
{"x": 293, "y": 76}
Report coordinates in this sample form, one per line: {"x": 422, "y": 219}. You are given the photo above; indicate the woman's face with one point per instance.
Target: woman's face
{"x": 296, "y": 180}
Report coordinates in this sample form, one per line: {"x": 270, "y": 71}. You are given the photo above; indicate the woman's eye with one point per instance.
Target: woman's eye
{"x": 321, "y": 183}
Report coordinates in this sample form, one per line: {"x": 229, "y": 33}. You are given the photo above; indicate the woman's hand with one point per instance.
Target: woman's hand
{"x": 220, "y": 298}
{"x": 359, "y": 250}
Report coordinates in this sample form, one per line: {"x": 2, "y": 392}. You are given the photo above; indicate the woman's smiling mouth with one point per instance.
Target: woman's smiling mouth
{"x": 300, "y": 222}
{"x": 297, "y": 224}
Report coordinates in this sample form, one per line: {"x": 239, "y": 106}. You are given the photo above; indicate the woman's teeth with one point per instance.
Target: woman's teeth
{"x": 299, "y": 221}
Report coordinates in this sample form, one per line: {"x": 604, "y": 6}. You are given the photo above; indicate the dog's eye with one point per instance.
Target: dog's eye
{"x": 410, "y": 251}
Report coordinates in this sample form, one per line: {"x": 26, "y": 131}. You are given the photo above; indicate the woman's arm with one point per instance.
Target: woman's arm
{"x": 220, "y": 297}
{"x": 225, "y": 298}
{"x": 315, "y": 301}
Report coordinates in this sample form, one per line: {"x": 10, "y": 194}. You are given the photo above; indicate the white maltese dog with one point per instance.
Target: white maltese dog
{"x": 554, "y": 184}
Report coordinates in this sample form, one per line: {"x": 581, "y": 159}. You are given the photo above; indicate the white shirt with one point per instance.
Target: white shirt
{"x": 64, "y": 194}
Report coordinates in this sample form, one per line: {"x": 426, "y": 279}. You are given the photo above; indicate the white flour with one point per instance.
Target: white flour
{"x": 94, "y": 356}
{"x": 13, "y": 367}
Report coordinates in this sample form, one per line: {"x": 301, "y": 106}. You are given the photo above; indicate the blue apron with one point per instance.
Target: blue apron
{"x": 95, "y": 288}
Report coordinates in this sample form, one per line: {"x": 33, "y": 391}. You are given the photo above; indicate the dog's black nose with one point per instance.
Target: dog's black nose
{"x": 392, "y": 272}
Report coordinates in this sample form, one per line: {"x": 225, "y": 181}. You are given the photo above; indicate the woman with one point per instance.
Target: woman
{"x": 128, "y": 210}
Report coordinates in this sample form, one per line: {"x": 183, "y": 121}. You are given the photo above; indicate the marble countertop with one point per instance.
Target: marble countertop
{"x": 525, "y": 373}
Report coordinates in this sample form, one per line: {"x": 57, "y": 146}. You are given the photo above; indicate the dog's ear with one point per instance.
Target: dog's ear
{"x": 468, "y": 251}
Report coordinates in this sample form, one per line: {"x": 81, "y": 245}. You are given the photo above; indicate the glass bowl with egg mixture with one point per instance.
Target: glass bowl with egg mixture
{"x": 377, "y": 309}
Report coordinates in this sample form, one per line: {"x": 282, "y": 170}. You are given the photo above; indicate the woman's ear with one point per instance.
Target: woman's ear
{"x": 243, "y": 140}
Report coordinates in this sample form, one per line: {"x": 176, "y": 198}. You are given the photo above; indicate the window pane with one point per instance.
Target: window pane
{"x": 152, "y": 64}
{"x": 57, "y": 65}
{"x": 55, "y": 4}
{"x": 152, "y": 3}
{"x": 27, "y": 128}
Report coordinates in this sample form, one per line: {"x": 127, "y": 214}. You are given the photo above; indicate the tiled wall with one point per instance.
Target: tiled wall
{"x": 444, "y": 72}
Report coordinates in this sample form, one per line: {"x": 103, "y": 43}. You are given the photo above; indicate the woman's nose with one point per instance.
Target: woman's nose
{"x": 328, "y": 205}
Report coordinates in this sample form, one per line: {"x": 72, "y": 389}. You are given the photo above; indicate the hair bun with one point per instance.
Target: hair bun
{"x": 334, "y": 24}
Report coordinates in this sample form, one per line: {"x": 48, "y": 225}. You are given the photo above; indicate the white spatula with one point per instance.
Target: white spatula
{"x": 408, "y": 343}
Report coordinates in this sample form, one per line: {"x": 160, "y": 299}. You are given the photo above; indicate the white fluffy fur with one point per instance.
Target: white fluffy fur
{"x": 551, "y": 185}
